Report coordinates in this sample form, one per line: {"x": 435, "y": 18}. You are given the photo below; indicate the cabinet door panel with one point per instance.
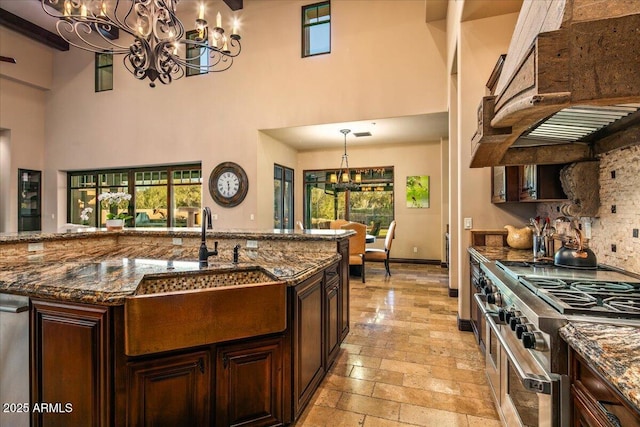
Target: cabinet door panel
{"x": 332, "y": 294}
{"x": 70, "y": 364}
{"x": 249, "y": 384}
{"x": 308, "y": 360}
{"x": 170, "y": 391}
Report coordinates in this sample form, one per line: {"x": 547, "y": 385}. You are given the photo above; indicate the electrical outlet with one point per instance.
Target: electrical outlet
{"x": 214, "y": 216}
{"x": 177, "y": 241}
{"x": 252, "y": 244}
{"x": 614, "y": 248}
{"x": 35, "y": 247}
{"x": 252, "y": 217}
{"x": 468, "y": 223}
{"x": 415, "y": 249}
{"x": 635, "y": 232}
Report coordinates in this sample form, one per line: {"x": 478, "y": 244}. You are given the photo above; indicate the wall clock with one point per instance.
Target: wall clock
{"x": 228, "y": 184}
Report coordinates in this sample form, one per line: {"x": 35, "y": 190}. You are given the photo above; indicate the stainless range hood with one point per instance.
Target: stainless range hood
{"x": 569, "y": 87}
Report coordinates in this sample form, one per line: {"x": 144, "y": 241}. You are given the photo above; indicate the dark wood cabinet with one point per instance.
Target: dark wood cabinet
{"x": 170, "y": 390}
{"x": 332, "y": 313}
{"x": 343, "y": 301}
{"x": 249, "y": 383}
{"x": 505, "y": 181}
{"x": 527, "y": 183}
{"x": 79, "y": 358}
{"x": 308, "y": 363}
{"x": 541, "y": 183}
{"x": 595, "y": 403}
{"x": 71, "y": 364}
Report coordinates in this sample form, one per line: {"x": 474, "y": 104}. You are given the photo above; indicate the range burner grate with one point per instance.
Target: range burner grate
{"x": 599, "y": 287}
{"x": 627, "y": 304}
{"x": 565, "y": 299}
{"x": 535, "y": 283}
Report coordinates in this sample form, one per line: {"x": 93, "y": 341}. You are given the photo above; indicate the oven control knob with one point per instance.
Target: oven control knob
{"x": 513, "y": 322}
{"x": 482, "y": 282}
{"x": 502, "y": 314}
{"x": 520, "y": 329}
{"x": 532, "y": 341}
{"x": 494, "y": 298}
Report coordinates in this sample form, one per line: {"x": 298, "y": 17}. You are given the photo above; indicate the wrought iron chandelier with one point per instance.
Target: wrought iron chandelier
{"x": 156, "y": 32}
{"x": 342, "y": 179}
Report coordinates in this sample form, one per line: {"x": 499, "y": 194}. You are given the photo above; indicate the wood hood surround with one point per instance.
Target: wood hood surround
{"x": 563, "y": 53}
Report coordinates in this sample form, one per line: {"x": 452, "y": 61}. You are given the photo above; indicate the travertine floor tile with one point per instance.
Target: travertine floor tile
{"x": 404, "y": 362}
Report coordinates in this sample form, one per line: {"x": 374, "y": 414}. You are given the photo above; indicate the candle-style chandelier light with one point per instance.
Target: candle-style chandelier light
{"x": 155, "y": 35}
{"x": 342, "y": 179}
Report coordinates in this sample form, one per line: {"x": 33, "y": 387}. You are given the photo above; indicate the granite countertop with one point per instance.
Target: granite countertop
{"x": 612, "y": 350}
{"x": 502, "y": 253}
{"x": 107, "y": 278}
{"x": 271, "y": 234}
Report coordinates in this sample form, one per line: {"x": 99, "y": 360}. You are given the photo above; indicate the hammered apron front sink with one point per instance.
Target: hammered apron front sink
{"x": 186, "y": 310}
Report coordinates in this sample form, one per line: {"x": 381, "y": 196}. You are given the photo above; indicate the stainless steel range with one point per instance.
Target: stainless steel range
{"x": 524, "y": 305}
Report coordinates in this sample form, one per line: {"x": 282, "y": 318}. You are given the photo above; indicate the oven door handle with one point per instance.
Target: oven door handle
{"x": 481, "y": 301}
{"x": 531, "y": 382}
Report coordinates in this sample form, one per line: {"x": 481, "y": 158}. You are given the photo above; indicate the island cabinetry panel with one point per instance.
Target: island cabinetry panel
{"x": 333, "y": 321}
{"x": 596, "y": 403}
{"x": 249, "y": 383}
{"x": 343, "y": 301}
{"x": 307, "y": 340}
{"x": 71, "y": 364}
{"x": 170, "y": 390}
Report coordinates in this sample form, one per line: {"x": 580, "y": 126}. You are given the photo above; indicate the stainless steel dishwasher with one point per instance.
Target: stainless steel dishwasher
{"x": 14, "y": 361}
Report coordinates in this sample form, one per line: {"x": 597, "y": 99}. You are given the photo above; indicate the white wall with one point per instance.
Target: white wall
{"x": 480, "y": 42}
{"x": 369, "y": 74}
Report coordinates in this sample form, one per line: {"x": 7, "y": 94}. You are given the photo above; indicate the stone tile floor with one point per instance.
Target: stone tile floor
{"x": 404, "y": 362}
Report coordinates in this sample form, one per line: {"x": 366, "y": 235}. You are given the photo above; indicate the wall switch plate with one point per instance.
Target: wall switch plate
{"x": 415, "y": 249}
{"x": 468, "y": 223}
{"x": 252, "y": 244}
{"x": 252, "y": 217}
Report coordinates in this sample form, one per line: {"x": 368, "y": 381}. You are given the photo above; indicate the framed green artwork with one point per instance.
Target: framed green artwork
{"x": 418, "y": 191}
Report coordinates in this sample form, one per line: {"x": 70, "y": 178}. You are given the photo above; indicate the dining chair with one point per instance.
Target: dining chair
{"x": 337, "y": 224}
{"x": 374, "y": 254}
{"x": 357, "y": 244}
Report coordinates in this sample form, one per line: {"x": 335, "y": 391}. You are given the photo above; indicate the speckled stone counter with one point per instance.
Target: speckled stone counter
{"x": 99, "y": 267}
{"x": 612, "y": 350}
{"x": 502, "y": 253}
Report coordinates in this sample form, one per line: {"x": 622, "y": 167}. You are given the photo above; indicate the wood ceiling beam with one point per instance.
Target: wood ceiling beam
{"x": 234, "y": 4}
{"x": 32, "y": 31}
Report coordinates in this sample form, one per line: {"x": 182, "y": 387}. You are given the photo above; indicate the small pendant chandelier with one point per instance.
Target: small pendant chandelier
{"x": 342, "y": 179}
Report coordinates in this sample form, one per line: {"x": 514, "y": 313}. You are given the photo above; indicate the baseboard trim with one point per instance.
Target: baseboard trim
{"x": 464, "y": 325}
{"x": 453, "y": 292}
{"x": 415, "y": 261}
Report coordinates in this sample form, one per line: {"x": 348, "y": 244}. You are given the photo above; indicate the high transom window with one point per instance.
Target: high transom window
{"x": 316, "y": 29}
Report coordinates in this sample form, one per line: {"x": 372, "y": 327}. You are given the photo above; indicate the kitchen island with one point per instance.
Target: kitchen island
{"x": 82, "y": 285}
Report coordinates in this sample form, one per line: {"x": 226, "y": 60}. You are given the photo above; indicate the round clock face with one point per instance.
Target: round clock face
{"x": 228, "y": 184}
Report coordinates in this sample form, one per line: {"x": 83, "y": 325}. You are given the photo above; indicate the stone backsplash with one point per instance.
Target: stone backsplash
{"x": 618, "y": 220}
